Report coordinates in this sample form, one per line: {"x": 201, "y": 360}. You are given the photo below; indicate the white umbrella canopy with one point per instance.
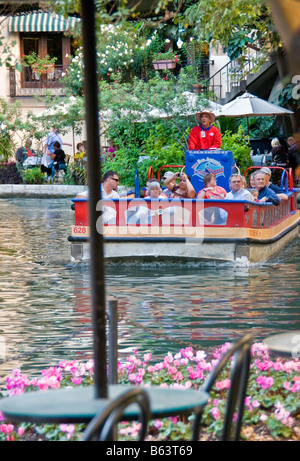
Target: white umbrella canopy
{"x": 249, "y": 105}
{"x": 185, "y": 105}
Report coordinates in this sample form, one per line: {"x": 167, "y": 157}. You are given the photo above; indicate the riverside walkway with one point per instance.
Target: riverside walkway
{"x": 39, "y": 190}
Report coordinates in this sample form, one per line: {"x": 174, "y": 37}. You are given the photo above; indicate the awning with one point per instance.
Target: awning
{"x": 41, "y": 22}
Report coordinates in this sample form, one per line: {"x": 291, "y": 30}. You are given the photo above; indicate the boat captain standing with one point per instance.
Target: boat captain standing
{"x": 205, "y": 135}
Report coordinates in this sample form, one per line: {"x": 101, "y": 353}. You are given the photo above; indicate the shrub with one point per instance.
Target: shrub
{"x": 76, "y": 173}
{"x": 239, "y": 146}
{"x": 33, "y": 176}
{"x": 9, "y": 173}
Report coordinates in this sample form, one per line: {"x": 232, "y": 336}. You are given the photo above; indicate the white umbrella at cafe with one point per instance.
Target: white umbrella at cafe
{"x": 249, "y": 105}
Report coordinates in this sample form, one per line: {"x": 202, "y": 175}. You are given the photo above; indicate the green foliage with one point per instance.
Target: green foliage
{"x": 37, "y": 63}
{"x": 7, "y": 147}
{"x": 76, "y": 173}
{"x": 239, "y": 145}
{"x": 33, "y": 176}
{"x": 124, "y": 163}
{"x": 229, "y": 22}
{"x": 237, "y": 43}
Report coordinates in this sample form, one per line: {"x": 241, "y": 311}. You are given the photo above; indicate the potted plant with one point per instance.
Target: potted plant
{"x": 39, "y": 65}
{"x": 165, "y": 60}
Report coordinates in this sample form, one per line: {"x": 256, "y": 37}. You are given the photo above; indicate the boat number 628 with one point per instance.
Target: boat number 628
{"x": 79, "y": 230}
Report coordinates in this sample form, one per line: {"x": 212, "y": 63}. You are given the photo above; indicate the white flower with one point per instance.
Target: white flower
{"x": 179, "y": 43}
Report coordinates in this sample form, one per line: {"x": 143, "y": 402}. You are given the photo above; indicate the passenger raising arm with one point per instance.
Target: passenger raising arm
{"x": 184, "y": 189}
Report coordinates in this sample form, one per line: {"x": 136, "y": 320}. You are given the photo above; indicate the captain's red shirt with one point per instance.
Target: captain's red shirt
{"x": 204, "y": 138}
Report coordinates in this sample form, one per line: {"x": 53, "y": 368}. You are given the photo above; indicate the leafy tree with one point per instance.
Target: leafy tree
{"x": 236, "y": 25}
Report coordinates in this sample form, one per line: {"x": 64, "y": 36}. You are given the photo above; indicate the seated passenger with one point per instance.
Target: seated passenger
{"x": 182, "y": 190}
{"x": 254, "y": 193}
{"x": 251, "y": 181}
{"x": 168, "y": 185}
{"x": 154, "y": 190}
{"x": 264, "y": 193}
{"x": 211, "y": 190}
{"x": 237, "y": 191}
{"x": 275, "y": 188}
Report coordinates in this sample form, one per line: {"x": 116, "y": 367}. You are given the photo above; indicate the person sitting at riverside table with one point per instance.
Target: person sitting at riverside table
{"x": 211, "y": 190}
{"x": 58, "y": 160}
{"x": 265, "y": 194}
{"x": 182, "y": 190}
{"x": 237, "y": 191}
{"x": 205, "y": 135}
{"x": 276, "y": 189}
{"x": 24, "y": 152}
{"x": 279, "y": 153}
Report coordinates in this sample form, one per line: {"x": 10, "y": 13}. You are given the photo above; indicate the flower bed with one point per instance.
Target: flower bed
{"x": 272, "y": 406}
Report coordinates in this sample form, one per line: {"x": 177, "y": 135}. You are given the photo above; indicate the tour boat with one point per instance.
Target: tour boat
{"x": 165, "y": 231}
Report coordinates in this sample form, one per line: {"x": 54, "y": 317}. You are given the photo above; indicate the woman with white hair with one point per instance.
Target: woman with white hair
{"x": 279, "y": 154}
{"x": 154, "y": 190}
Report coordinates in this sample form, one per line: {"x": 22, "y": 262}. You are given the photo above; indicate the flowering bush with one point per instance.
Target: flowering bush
{"x": 272, "y": 400}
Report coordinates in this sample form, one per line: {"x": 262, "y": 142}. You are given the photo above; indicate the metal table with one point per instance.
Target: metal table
{"x": 75, "y": 405}
{"x": 285, "y": 343}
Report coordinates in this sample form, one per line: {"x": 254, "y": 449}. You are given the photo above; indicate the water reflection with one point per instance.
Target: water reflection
{"x": 45, "y": 300}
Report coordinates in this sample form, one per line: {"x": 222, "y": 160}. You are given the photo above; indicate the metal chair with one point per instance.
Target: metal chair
{"x": 103, "y": 426}
{"x": 241, "y": 352}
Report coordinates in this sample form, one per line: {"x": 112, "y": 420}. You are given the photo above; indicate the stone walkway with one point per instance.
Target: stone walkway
{"x": 38, "y": 190}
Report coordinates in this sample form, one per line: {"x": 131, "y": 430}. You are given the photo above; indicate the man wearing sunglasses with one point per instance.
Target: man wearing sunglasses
{"x": 109, "y": 186}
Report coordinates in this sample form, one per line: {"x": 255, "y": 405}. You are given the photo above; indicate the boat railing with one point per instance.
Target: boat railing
{"x": 286, "y": 179}
{"x": 163, "y": 214}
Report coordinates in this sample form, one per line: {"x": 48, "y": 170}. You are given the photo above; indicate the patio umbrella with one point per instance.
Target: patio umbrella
{"x": 249, "y": 105}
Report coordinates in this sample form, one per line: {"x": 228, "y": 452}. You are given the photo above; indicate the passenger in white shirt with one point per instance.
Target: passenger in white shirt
{"x": 237, "y": 191}
{"x": 108, "y": 190}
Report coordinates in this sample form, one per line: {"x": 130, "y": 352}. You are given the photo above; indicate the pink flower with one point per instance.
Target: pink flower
{"x": 77, "y": 381}
{"x": 216, "y": 413}
{"x": 265, "y": 382}
{"x": 158, "y": 424}
{"x": 263, "y": 366}
{"x": 69, "y": 429}
{"x": 292, "y": 387}
{"x": 6, "y": 428}
{"x": 21, "y": 431}
{"x": 281, "y": 414}
{"x": 147, "y": 357}
{"x": 225, "y": 384}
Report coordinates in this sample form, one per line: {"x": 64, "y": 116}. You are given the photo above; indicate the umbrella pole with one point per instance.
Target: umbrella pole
{"x": 94, "y": 181}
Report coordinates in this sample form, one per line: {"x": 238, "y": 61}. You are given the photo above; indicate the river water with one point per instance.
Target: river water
{"x": 45, "y": 298}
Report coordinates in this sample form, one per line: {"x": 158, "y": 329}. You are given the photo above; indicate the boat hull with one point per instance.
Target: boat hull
{"x": 238, "y": 245}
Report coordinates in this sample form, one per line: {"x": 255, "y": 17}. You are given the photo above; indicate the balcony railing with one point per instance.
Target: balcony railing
{"x": 29, "y": 83}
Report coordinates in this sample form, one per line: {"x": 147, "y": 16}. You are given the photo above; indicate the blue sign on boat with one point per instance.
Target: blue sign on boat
{"x": 218, "y": 162}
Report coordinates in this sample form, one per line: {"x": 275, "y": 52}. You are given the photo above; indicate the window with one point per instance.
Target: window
{"x": 54, "y": 44}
